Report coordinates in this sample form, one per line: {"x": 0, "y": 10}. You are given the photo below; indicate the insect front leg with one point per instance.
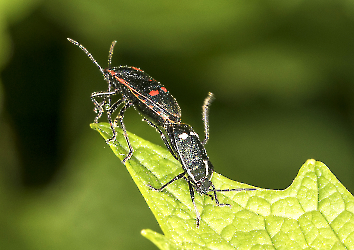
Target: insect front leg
{"x": 120, "y": 117}
{"x": 110, "y": 111}
{"x": 99, "y": 106}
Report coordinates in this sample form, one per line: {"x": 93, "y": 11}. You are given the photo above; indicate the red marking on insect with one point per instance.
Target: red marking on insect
{"x": 122, "y": 81}
{"x": 137, "y": 69}
{"x": 154, "y": 92}
{"x": 144, "y": 99}
{"x": 111, "y": 72}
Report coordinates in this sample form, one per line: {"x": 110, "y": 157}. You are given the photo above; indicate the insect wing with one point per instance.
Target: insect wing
{"x": 192, "y": 153}
{"x": 149, "y": 93}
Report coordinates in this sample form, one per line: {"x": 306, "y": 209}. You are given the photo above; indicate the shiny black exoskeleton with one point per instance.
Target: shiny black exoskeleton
{"x": 149, "y": 97}
{"x": 185, "y": 145}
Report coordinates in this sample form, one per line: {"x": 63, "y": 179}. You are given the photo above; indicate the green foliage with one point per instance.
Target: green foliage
{"x": 315, "y": 212}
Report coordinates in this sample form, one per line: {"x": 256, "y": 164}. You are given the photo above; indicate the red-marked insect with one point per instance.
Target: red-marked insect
{"x": 148, "y": 96}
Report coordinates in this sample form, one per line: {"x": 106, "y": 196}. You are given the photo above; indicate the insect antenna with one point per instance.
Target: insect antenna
{"x": 205, "y": 109}
{"x": 111, "y": 54}
{"x": 87, "y": 53}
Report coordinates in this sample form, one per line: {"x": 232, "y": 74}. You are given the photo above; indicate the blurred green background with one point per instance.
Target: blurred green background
{"x": 282, "y": 73}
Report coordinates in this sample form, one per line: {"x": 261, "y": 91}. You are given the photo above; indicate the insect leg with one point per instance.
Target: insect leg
{"x": 234, "y": 190}
{"x": 216, "y": 197}
{"x": 205, "y": 109}
{"x": 99, "y": 105}
{"x": 191, "y": 191}
{"x": 226, "y": 190}
{"x": 181, "y": 175}
{"x": 120, "y": 117}
{"x": 109, "y": 118}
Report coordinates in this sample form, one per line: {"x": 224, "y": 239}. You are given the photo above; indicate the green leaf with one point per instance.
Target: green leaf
{"x": 315, "y": 212}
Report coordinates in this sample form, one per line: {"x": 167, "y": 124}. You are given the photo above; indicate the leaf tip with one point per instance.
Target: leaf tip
{"x": 93, "y": 126}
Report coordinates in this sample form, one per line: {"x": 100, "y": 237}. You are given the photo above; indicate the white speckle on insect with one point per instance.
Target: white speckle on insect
{"x": 194, "y": 133}
{"x": 206, "y": 167}
{"x": 183, "y": 136}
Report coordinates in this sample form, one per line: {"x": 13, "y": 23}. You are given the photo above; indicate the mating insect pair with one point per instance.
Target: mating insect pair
{"x": 161, "y": 111}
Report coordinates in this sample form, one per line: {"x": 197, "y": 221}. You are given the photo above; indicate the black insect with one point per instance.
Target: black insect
{"x": 184, "y": 144}
{"x": 148, "y": 96}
